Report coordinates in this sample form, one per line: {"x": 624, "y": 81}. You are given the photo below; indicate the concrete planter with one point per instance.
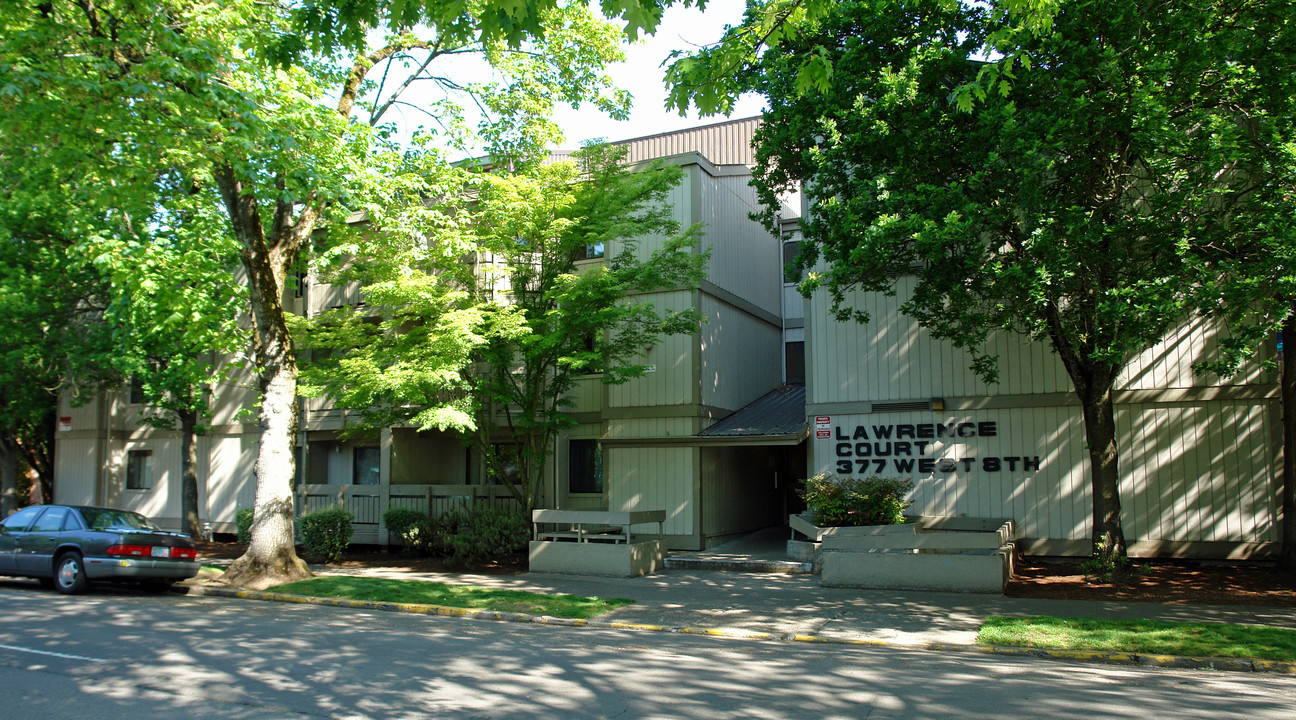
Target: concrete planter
{"x": 597, "y": 558}
{"x": 931, "y": 553}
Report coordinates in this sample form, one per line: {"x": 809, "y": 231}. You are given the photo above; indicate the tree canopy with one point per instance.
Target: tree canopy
{"x": 1059, "y": 208}
{"x": 280, "y": 137}
{"x": 485, "y": 325}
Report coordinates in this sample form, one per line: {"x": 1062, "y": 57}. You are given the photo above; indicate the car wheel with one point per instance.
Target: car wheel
{"x": 69, "y": 574}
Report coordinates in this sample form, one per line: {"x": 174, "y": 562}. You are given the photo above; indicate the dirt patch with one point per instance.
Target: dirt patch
{"x": 1200, "y": 583}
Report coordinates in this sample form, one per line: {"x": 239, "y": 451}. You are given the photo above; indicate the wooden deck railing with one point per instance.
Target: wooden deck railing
{"x": 367, "y": 503}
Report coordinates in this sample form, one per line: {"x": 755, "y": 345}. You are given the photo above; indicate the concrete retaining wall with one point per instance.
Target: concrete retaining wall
{"x": 597, "y": 558}
{"x": 931, "y": 553}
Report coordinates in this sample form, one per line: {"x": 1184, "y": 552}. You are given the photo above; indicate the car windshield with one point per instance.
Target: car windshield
{"x": 101, "y": 519}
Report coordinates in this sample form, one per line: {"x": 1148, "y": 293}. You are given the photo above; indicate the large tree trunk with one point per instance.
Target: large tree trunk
{"x": 8, "y": 477}
{"x": 1287, "y": 548}
{"x": 1100, "y": 433}
{"x": 191, "y": 521}
{"x": 271, "y": 557}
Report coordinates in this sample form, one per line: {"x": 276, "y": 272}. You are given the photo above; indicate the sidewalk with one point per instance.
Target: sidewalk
{"x": 796, "y": 605}
{"x": 691, "y": 594}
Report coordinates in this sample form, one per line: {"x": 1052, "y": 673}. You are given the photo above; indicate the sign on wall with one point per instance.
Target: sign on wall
{"x": 924, "y": 448}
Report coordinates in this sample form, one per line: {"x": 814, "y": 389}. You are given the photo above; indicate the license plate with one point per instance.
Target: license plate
{"x": 159, "y": 551}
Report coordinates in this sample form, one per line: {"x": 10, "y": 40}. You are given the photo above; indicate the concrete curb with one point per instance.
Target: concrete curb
{"x": 1089, "y": 656}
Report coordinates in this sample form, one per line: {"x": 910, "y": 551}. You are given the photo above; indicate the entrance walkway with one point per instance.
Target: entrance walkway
{"x": 761, "y": 551}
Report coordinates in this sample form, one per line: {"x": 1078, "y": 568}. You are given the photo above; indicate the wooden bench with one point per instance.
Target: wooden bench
{"x": 594, "y": 525}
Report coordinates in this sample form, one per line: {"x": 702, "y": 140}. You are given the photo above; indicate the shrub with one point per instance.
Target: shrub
{"x": 326, "y": 533}
{"x": 243, "y": 525}
{"x": 848, "y": 501}
{"x": 482, "y": 533}
{"x": 414, "y": 528}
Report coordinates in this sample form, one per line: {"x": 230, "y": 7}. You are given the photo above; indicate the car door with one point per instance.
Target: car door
{"x": 36, "y": 546}
{"x": 12, "y": 530}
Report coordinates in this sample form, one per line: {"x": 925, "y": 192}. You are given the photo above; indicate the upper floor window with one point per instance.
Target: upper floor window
{"x": 590, "y": 252}
{"x": 791, "y": 273}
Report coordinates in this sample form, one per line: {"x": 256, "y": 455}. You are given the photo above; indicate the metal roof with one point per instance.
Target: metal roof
{"x": 779, "y": 413}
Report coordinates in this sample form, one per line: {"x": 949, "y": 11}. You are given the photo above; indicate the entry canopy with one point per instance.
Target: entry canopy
{"x": 777, "y": 417}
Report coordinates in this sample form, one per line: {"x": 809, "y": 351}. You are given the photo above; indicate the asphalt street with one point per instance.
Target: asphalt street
{"x": 119, "y": 654}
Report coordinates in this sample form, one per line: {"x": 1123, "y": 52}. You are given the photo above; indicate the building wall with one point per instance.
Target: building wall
{"x": 740, "y": 355}
{"x": 657, "y": 478}
{"x": 1197, "y": 457}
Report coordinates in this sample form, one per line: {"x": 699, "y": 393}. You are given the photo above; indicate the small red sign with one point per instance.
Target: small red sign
{"x": 823, "y": 419}
{"x": 64, "y": 423}
{"x": 823, "y": 434}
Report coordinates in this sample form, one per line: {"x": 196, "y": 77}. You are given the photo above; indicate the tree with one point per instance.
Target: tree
{"x": 1058, "y": 209}
{"x": 54, "y": 340}
{"x": 280, "y": 123}
{"x": 713, "y": 76}
{"x": 171, "y": 287}
{"x": 563, "y": 319}
{"x": 1248, "y": 282}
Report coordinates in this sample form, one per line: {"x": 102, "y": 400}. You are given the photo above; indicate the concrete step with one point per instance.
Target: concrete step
{"x": 738, "y": 565}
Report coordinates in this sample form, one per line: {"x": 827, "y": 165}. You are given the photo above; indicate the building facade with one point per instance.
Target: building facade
{"x": 635, "y": 445}
{"x": 769, "y": 390}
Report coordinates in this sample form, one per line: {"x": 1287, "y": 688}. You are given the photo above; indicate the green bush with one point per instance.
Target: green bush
{"x": 413, "y": 527}
{"x": 326, "y": 533}
{"x": 481, "y": 534}
{"x": 848, "y": 501}
{"x": 243, "y": 523}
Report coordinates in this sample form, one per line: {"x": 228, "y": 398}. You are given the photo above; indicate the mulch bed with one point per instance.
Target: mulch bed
{"x": 1164, "y": 581}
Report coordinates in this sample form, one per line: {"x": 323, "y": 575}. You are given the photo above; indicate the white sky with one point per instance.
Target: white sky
{"x": 641, "y": 74}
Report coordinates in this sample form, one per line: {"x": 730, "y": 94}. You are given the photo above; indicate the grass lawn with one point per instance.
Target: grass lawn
{"x": 461, "y": 596}
{"x": 1141, "y": 636}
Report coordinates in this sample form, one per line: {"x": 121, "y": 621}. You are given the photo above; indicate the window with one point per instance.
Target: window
{"x": 794, "y": 352}
{"x": 136, "y": 391}
{"x": 19, "y": 521}
{"x": 365, "y": 471}
{"x": 506, "y": 468}
{"x": 584, "y": 467}
{"x": 139, "y": 470}
{"x": 590, "y": 252}
{"x": 51, "y": 521}
{"x": 791, "y": 273}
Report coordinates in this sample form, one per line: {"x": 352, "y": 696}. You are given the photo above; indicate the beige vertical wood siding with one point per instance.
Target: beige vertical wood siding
{"x": 741, "y": 355}
{"x": 667, "y": 427}
{"x": 426, "y": 458}
{"x": 653, "y": 479}
{"x": 892, "y": 359}
{"x": 671, "y": 383}
{"x": 77, "y": 461}
{"x": 745, "y": 258}
{"x": 587, "y": 395}
{"x": 725, "y": 143}
{"x": 680, "y": 201}
{"x": 1189, "y": 473}
{"x": 231, "y": 484}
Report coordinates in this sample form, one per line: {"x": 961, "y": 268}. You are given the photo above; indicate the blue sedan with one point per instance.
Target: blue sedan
{"x": 67, "y": 547}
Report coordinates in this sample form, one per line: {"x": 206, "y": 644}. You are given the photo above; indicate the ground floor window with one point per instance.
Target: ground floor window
{"x": 139, "y": 470}
{"x": 584, "y": 467}
{"x": 506, "y": 469}
{"x": 365, "y": 466}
